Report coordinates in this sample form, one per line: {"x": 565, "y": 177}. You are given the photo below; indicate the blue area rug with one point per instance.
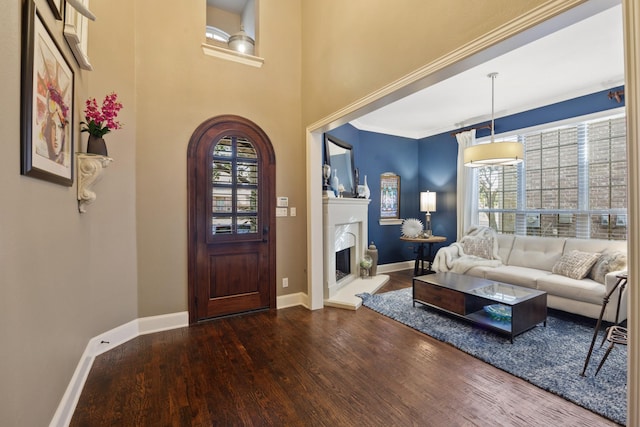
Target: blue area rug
{"x": 549, "y": 357}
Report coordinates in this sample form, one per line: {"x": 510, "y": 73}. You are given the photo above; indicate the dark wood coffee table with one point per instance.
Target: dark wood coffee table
{"x": 467, "y": 297}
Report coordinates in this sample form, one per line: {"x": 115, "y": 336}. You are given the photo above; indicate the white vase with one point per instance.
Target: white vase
{"x": 334, "y": 182}
{"x": 367, "y": 192}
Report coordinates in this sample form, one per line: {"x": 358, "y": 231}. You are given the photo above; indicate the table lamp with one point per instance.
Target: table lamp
{"x": 428, "y": 205}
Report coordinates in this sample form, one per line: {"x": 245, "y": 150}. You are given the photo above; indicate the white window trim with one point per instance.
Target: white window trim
{"x": 520, "y": 226}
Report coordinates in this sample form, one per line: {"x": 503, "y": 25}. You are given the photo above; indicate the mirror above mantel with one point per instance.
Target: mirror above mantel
{"x": 339, "y": 155}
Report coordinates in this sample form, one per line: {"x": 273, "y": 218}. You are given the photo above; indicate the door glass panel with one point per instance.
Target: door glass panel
{"x": 247, "y": 173}
{"x": 223, "y": 147}
{"x": 247, "y": 224}
{"x": 234, "y": 187}
{"x": 221, "y": 225}
{"x": 222, "y": 172}
{"x": 247, "y": 201}
{"x": 222, "y": 200}
{"x": 246, "y": 149}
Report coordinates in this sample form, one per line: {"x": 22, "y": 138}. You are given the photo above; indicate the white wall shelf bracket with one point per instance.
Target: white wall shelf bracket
{"x": 90, "y": 170}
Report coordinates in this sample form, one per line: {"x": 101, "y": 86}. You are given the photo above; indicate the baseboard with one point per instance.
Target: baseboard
{"x": 396, "y": 266}
{"x": 105, "y": 342}
{"x": 292, "y": 300}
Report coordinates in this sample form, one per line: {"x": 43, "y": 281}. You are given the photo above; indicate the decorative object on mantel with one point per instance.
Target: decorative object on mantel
{"x": 90, "y": 169}
{"x": 493, "y": 153}
{"x": 372, "y": 252}
{"x": 411, "y": 227}
{"x": 326, "y": 174}
{"x": 100, "y": 121}
{"x": 335, "y": 182}
{"x": 366, "y": 193}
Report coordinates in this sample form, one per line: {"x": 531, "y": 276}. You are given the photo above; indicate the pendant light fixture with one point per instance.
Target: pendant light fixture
{"x": 493, "y": 153}
{"x": 241, "y": 42}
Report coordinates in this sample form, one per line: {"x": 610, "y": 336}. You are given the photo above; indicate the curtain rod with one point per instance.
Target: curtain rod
{"x": 484, "y": 126}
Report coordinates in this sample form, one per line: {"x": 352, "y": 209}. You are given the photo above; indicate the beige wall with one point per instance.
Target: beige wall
{"x": 353, "y": 48}
{"x": 64, "y": 276}
{"x": 67, "y": 277}
{"x": 178, "y": 87}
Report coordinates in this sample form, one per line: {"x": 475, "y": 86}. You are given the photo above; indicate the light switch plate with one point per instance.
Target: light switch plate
{"x": 281, "y": 211}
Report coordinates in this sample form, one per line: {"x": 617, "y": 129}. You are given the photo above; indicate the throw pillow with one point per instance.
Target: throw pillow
{"x": 477, "y": 245}
{"x": 575, "y": 264}
{"x": 608, "y": 262}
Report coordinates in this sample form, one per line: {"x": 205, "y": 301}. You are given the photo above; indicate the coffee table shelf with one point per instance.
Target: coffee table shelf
{"x": 466, "y": 297}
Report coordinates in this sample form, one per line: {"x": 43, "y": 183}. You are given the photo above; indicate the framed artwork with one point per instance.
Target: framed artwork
{"x": 56, "y": 6}
{"x": 46, "y": 104}
{"x": 76, "y": 32}
{"x": 389, "y": 196}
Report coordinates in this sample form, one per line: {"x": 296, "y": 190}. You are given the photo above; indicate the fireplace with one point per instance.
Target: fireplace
{"x": 343, "y": 263}
{"x": 345, "y": 240}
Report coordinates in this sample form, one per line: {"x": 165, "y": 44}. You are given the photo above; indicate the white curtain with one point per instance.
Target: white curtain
{"x": 467, "y": 191}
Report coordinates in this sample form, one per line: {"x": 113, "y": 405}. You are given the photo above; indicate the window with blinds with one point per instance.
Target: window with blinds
{"x": 573, "y": 183}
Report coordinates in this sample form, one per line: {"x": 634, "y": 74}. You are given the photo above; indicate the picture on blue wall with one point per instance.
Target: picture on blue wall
{"x": 389, "y": 196}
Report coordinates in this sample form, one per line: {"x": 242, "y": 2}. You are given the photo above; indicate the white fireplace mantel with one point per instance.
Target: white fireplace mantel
{"x": 345, "y": 223}
{"x": 342, "y": 215}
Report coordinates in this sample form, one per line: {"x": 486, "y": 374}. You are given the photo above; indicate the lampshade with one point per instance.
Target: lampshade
{"x": 493, "y": 153}
{"x": 427, "y": 201}
{"x": 241, "y": 42}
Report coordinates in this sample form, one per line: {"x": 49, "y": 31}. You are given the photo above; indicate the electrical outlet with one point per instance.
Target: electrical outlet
{"x": 285, "y": 282}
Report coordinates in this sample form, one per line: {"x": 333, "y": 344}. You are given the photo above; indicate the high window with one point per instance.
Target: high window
{"x": 572, "y": 183}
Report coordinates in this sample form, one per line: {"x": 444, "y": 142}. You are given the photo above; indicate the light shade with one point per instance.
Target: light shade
{"x": 427, "y": 201}
{"x": 241, "y": 42}
{"x": 493, "y": 154}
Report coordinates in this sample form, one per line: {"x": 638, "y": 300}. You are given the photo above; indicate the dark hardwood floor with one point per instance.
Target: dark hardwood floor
{"x": 295, "y": 367}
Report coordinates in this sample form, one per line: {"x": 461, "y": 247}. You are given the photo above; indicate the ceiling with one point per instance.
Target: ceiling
{"x": 577, "y": 59}
{"x": 233, "y": 6}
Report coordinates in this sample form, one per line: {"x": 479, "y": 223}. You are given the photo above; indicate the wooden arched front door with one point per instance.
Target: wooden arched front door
{"x": 231, "y": 198}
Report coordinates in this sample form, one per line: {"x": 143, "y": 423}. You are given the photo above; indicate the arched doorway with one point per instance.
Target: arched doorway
{"x": 231, "y": 219}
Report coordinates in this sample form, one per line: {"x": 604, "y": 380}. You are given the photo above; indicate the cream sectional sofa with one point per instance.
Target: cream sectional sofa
{"x": 529, "y": 261}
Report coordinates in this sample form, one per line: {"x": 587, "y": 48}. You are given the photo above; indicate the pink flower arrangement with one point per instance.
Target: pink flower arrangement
{"x": 100, "y": 121}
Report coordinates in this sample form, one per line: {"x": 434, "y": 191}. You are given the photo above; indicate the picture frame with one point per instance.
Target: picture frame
{"x": 76, "y": 33}
{"x": 389, "y": 196}
{"x": 57, "y": 7}
{"x": 47, "y": 107}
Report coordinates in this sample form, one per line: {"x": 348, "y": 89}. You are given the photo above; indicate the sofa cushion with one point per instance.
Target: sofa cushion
{"x": 514, "y": 275}
{"x": 585, "y": 290}
{"x": 594, "y": 245}
{"x": 536, "y": 252}
{"x": 609, "y": 261}
{"x": 480, "y": 246}
{"x": 505, "y": 243}
{"x": 575, "y": 264}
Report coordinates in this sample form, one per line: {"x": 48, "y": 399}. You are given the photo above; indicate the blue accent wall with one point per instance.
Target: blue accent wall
{"x": 431, "y": 164}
